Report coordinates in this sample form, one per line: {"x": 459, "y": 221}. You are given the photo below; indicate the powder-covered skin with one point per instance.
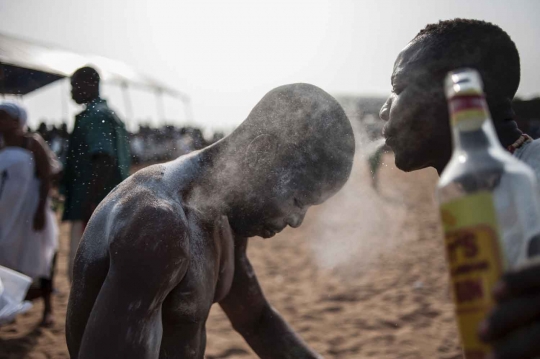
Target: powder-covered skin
{"x": 171, "y": 240}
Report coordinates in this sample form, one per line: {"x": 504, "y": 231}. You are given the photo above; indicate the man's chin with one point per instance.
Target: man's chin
{"x": 241, "y": 230}
{"x": 263, "y": 233}
{"x": 254, "y": 233}
{"x": 267, "y": 234}
{"x": 407, "y": 162}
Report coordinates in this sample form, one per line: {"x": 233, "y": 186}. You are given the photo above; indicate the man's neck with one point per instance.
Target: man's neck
{"x": 503, "y": 116}
{"x": 507, "y": 132}
{"x": 94, "y": 99}
{"x": 211, "y": 177}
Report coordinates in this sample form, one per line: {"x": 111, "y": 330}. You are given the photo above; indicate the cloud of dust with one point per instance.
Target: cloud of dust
{"x": 355, "y": 227}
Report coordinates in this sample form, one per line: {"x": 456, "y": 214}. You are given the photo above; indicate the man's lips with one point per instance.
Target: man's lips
{"x": 385, "y": 130}
{"x": 268, "y": 232}
{"x": 388, "y": 135}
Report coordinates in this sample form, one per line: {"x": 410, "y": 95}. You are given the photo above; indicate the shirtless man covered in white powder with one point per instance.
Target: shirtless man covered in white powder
{"x": 171, "y": 240}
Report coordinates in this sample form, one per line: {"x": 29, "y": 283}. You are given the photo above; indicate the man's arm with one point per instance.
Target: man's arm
{"x": 145, "y": 266}
{"x": 513, "y": 327}
{"x": 98, "y": 132}
{"x": 252, "y": 316}
{"x": 43, "y": 172}
{"x": 103, "y": 167}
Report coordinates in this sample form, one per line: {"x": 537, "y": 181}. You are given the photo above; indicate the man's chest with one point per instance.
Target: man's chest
{"x": 209, "y": 275}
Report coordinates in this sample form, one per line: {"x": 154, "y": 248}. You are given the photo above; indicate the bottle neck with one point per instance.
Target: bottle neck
{"x": 472, "y": 127}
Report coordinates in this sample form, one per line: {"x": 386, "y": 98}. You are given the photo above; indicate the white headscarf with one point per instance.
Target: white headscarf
{"x": 15, "y": 111}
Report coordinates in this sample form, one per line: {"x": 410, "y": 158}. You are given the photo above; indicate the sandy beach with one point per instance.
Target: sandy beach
{"x": 363, "y": 277}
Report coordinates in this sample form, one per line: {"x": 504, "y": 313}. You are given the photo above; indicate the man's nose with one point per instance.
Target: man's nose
{"x": 296, "y": 219}
{"x": 385, "y": 109}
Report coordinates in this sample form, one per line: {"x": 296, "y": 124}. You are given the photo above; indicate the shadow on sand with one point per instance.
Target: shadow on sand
{"x": 19, "y": 347}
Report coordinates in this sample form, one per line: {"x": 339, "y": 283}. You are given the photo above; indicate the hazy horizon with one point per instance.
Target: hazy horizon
{"x": 226, "y": 56}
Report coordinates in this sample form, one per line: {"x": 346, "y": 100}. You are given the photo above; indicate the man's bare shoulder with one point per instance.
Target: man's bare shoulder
{"x": 142, "y": 219}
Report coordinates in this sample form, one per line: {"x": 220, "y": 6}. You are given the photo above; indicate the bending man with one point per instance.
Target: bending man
{"x": 171, "y": 240}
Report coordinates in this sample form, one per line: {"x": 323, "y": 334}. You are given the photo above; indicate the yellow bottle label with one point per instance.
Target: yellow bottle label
{"x": 468, "y": 111}
{"x": 475, "y": 261}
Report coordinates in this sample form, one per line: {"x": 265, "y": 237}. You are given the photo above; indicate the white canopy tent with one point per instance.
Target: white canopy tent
{"x": 26, "y": 66}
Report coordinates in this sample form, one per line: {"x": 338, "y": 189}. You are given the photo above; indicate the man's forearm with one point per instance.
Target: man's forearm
{"x": 251, "y": 315}
{"x": 102, "y": 170}
{"x": 44, "y": 189}
{"x": 271, "y": 338}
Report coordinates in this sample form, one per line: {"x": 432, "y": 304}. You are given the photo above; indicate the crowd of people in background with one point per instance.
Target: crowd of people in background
{"x": 147, "y": 144}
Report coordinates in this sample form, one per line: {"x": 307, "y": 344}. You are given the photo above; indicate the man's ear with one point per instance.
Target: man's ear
{"x": 261, "y": 152}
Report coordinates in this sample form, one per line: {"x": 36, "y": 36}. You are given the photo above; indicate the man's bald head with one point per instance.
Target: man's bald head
{"x": 308, "y": 129}
{"x": 296, "y": 149}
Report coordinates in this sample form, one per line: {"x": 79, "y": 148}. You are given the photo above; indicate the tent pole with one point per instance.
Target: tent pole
{"x": 127, "y": 103}
{"x": 65, "y": 110}
{"x": 2, "y": 82}
{"x": 187, "y": 108}
{"x": 160, "y": 106}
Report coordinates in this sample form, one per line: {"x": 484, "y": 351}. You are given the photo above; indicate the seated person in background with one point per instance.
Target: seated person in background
{"x": 28, "y": 228}
{"x": 418, "y": 131}
{"x": 171, "y": 240}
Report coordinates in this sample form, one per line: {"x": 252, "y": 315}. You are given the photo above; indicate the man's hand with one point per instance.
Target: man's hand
{"x": 39, "y": 220}
{"x": 102, "y": 170}
{"x": 43, "y": 172}
{"x": 513, "y": 327}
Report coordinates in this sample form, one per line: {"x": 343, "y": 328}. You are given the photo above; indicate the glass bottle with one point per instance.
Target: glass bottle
{"x": 490, "y": 210}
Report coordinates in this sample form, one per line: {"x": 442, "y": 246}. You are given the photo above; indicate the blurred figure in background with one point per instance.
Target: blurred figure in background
{"x": 98, "y": 155}
{"x": 43, "y": 131}
{"x": 28, "y": 228}
{"x": 56, "y": 137}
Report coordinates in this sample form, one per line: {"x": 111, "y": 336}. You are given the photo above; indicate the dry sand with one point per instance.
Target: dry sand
{"x": 364, "y": 277}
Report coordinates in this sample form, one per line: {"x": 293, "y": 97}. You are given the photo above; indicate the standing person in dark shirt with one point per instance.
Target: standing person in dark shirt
{"x": 97, "y": 158}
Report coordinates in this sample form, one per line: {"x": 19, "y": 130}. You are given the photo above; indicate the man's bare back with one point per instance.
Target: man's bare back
{"x": 145, "y": 229}
{"x": 171, "y": 240}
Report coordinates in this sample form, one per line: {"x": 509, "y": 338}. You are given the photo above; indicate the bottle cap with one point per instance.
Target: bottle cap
{"x": 463, "y": 82}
